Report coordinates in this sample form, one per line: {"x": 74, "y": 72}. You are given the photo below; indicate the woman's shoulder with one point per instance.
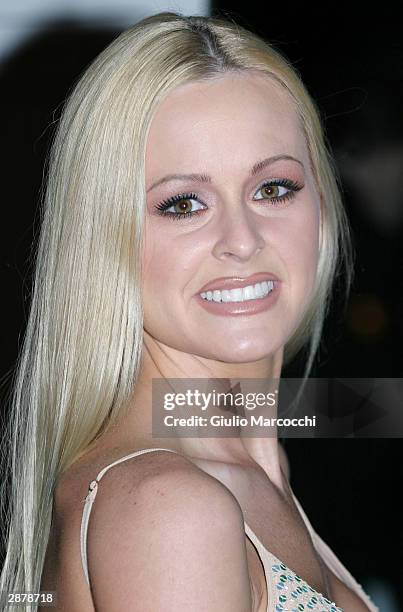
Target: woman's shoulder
{"x": 153, "y": 510}
{"x": 157, "y": 516}
{"x": 133, "y": 475}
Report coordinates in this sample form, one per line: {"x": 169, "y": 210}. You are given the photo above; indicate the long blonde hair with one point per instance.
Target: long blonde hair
{"x": 82, "y": 348}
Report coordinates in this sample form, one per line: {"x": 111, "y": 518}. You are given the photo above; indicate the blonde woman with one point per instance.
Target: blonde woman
{"x": 103, "y": 513}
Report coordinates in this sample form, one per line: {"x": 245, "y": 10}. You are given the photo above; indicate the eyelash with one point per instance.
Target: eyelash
{"x": 161, "y": 208}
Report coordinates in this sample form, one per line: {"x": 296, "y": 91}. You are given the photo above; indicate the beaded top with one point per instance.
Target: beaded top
{"x": 288, "y": 592}
{"x": 292, "y": 590}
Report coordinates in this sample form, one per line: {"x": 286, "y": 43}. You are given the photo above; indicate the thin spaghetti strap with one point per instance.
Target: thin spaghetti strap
{"x": 89, "y": 500}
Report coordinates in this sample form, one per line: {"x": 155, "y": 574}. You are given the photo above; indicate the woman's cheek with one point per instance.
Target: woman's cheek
{"x": 298, "y": 247}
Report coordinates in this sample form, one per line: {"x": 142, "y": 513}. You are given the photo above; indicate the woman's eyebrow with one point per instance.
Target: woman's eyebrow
{"x": 205, "y": 178}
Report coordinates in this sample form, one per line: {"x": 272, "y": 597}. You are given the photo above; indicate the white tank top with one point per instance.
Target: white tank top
{"x": 284, "y": 587}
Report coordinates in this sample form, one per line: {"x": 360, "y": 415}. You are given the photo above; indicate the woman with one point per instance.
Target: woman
{"x": 127, "y": 257}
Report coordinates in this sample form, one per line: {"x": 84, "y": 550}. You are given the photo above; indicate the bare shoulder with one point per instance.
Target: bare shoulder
{"x": 63, "y": 570}
{"x": 167, "y": 535}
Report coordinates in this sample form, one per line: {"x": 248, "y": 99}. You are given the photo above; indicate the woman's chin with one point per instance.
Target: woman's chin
{"x": 247, "y": 353}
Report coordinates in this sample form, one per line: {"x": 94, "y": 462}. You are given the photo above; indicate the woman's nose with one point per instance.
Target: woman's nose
{"x": 239, "y": 235}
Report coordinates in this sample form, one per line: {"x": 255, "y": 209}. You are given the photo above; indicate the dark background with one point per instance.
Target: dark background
{"x": 352, "y": 64}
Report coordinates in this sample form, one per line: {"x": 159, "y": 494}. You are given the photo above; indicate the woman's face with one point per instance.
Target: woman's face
{"x": 222, "y": 129}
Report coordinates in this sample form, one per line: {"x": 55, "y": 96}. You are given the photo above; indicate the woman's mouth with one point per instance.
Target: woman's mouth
{"x": 248, "y": 300}
{"x": 239, "y": 294}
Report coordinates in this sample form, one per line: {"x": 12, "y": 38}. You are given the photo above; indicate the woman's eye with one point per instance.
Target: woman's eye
{"x": 277, "y": 191}
{"x": 182, "y": 206}
{"x": 272, "y": 191}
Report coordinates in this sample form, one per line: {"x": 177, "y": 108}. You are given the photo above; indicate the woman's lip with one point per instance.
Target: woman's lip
{"x": 232, "y": 282}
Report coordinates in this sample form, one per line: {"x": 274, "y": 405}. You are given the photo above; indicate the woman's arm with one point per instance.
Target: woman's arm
{"x": 175, "y": 543}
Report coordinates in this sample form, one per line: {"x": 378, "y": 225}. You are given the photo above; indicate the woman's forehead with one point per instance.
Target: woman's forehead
{"x": 230, "y": 96}
{"x": 228, "y": 112}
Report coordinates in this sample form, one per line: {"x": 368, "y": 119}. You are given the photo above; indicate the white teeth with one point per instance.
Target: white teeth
{"x": 225, "y": 295}
{"x": 251, "y": 292}
{"x": 236, "y": 295}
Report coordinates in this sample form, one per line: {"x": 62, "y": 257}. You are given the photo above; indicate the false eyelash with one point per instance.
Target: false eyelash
{"x": 162, "y": 207}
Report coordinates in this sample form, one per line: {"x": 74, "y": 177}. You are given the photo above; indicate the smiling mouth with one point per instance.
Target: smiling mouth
{"x": 257, "y": 291}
